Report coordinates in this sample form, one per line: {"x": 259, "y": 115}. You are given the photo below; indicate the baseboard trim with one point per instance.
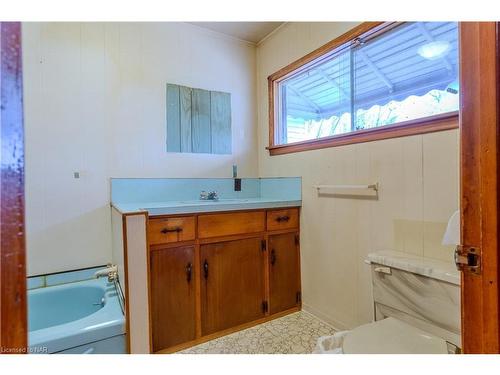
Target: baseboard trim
{"x": 335, "y": 324}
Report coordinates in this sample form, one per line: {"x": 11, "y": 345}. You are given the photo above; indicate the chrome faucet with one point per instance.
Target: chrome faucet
{"x": 111, "y": 271}
{"x": 210, "y": 196}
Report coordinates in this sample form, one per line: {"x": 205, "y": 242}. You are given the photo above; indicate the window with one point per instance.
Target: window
{"x": 378, "y": 81}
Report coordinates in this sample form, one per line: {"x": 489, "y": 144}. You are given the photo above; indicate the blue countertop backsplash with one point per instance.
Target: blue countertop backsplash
{"x": 163, "y": 196}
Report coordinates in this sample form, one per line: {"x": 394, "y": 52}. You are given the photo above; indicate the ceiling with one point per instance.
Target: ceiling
{"x": 252, "y": 32}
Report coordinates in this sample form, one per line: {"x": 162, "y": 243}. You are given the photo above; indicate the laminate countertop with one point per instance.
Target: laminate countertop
{"x": 200, "y": 206}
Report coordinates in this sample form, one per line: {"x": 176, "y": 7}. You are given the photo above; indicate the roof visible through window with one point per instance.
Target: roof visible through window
{"x": 406, "y": 73}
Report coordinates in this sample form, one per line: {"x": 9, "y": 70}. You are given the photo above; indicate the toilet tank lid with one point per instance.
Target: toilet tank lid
{"x": 436, "y": 269}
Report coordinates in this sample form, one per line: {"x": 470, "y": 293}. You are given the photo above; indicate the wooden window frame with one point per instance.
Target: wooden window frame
{"x": 441, "y": 122}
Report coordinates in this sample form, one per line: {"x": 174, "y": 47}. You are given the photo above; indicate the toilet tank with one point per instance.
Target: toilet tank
{"x": 420, "y": 291}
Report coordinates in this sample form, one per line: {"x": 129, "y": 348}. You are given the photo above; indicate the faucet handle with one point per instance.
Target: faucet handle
{"x": 112, "y": 276}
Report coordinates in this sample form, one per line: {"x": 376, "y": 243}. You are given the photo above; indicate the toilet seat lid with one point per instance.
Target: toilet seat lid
{"x": 392, "y": 336}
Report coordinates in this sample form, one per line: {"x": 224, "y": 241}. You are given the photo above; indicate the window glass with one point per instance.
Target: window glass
{"x": 406, "y": 73}
{"x": 317, "y": 102}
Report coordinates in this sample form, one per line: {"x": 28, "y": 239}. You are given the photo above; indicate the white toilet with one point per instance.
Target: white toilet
{"x": 416, "y": 306}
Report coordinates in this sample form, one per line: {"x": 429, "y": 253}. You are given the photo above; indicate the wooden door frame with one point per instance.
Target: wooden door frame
{"x": 13, "y": 315}
{"x": 479, "y": 182}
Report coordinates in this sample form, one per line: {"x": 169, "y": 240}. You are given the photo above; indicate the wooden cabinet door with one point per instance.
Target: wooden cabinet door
{"x": 284, "y": 272}
{"x": 232, "y": 284}
{"x": 172, "y": 296}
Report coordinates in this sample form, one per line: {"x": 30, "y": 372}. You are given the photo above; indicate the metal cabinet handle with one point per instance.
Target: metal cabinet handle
{"x": 273, "y": 257}
{"x": 189, "y": 271}
{"x": 168, "y": 230}
{"x": 279, "y": 219}
{"x": 205, "y": 269}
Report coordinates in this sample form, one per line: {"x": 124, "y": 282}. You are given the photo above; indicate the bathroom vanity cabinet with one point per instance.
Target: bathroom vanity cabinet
{"x": 211, "y": 274}
{"x": 284, "y": 286}
{"x": 173, "y": 295}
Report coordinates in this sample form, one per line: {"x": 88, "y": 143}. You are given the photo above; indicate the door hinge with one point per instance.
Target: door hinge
{"x": 263, "y": 245}
{"x": 265, "y": 306}
{"x": 468, "y": 259}
{"x": 298, "y": 297}
{"x": 297, "y": 239}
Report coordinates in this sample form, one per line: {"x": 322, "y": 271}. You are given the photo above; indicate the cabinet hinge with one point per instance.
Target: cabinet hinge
{"x": 263, "y": 245}
{"x": 298, "y": 297}
{"x": 265, "y": 306}
{"x": 468, "y": 258}
{"x": 297, "y": 239}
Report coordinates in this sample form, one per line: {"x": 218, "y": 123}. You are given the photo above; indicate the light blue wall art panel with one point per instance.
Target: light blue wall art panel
{"x": 198, "y": 121}
{"x": 185, "y": 118}
{"x": 173, "y": 119}
{"x": 220, "y": 121}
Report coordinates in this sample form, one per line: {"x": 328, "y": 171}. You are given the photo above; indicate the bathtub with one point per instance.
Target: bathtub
{"x": 78, "y": 317}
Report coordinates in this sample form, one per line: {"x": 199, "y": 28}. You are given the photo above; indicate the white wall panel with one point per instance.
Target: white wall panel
{"x": 95, "y": 103}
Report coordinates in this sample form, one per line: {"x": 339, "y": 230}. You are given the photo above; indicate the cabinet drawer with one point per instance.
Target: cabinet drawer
{"x": 283, "y": 219}
{"x": 216, "y": 225}
{"x": 171, "y": 229}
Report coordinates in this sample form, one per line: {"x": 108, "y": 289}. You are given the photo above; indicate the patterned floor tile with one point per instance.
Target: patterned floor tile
{"x": 292, "y": 334}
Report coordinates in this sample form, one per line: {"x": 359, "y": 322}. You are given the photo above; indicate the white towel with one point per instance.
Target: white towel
{"x": 330, "y": 344}
{"x": 452, "y": 234}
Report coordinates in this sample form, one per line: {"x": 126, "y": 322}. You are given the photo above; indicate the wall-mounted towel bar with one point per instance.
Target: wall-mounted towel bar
{"x": 362, "y": 190}
{"x": 371, "y": 186}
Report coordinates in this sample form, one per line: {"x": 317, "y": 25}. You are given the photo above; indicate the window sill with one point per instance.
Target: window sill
{"x": 432, "y": 124}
